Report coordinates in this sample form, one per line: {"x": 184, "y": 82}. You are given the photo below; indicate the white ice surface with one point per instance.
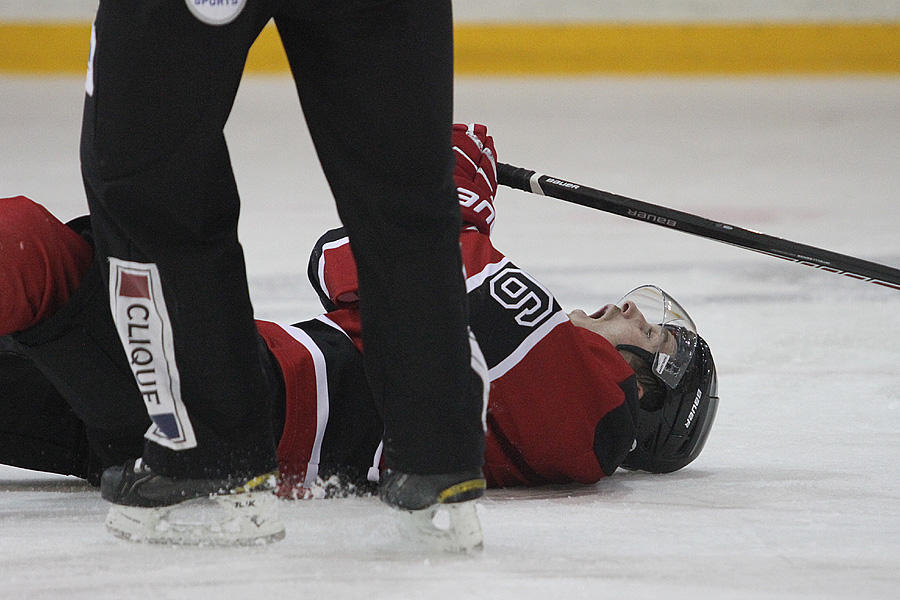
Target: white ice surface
{"x": 797, "y": 494}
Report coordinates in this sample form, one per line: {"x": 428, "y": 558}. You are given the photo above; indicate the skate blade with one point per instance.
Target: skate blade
{"x": 446, "y": 527}
{"x": 227, "y": 520}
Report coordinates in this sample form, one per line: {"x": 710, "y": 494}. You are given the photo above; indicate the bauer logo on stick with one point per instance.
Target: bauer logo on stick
{"x": 216, "y": 12}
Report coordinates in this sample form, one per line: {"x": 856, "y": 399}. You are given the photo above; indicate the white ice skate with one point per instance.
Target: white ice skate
{"x": 155, "y": 509}
{"x": 446, "y": 527}
{"x": 438, "y": 511}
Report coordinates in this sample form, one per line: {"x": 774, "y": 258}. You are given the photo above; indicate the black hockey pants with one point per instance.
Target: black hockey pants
{"x": 375, "y": 82}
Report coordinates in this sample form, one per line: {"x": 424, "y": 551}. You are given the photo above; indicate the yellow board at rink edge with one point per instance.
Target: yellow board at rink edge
{"x": 564, "y": 49}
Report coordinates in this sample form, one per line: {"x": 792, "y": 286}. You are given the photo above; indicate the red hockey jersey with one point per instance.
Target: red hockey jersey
{"x": 561, "y": 398}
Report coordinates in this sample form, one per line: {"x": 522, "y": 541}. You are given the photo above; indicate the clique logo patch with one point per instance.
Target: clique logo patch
{"x": 216, "y": 12}
{"x": 142, "y": 321}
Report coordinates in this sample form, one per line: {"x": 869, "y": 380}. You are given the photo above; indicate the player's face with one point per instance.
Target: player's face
{"x": 625, "y": 325}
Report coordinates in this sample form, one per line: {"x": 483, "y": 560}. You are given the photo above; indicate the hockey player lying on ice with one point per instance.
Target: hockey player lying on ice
{"x": 565, "y": 404}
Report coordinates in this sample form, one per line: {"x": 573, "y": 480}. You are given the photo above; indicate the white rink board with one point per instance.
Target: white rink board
{"x": 567, "y": 10}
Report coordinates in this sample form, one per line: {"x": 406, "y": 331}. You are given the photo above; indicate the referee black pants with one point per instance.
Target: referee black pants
{"x": 375, "y": 83}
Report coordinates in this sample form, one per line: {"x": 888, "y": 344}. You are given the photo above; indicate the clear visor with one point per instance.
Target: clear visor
{"x": 678, "y": 340}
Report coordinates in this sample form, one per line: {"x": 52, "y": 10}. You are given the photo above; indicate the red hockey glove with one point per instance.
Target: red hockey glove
{"x": 475, "y": 175}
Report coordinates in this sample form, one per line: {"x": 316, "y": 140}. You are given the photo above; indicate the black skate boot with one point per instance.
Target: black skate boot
{"x": 157, "y": 509}
{"x": 439, "y": 510}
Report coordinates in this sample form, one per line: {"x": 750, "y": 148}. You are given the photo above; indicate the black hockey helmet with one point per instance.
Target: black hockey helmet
{"x": 671, "y": 433}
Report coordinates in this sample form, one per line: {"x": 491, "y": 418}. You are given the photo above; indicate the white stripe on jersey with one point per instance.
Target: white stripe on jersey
{"x": 320, "y": 270}
{"x": 504, "y": 366}
{"x": 479, "y": 365}
{"x": 477, "y": 279}
{"x": 322, "y": 406}
{"x": 325, "y": 320}
{"x": 374, "y": 474}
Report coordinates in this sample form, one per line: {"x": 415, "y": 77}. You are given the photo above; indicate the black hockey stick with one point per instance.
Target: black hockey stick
{"x": 810, "y": 256}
